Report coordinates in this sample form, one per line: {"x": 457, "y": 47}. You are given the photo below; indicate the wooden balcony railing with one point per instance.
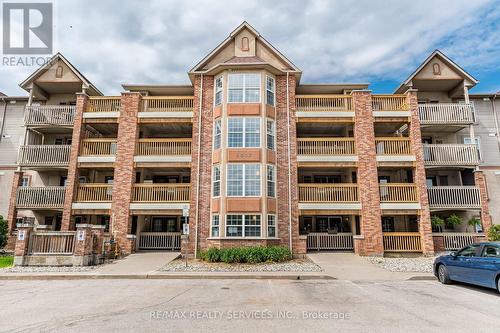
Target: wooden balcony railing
{"x": 323, "y": 103}
{"x": 398, "y": 192}
{"x": 44, "y": 155}
{"x": 393, "y": 146}
{"x": 402, "y": 242}
{"x": 98, "y": 147}
{"x": 160, "y": 241}
{"x": 103, "y": 104}
{"x": 451, "y": 154}
{"x": 31, "y": 197}
{"x": 51, "y": 242}
{"x": 160, "y": 192}
{"x": 454, "y": 197}
{"x": 163, "y": 147}
{"x": 326, "y": 241}
{"x": 453, "y": 241}
{"x": 44, "y": 115}
{"x": 167, "y": 104}
{"x": 328, "y": 193}
{"x": 390, "y": 103}
{"x": 326, "y": 146}
{"x": 94, "y": 193}
{"x": 446, "y": 113}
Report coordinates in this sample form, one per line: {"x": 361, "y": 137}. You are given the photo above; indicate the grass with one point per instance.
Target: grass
{"x": 6, "y": 261}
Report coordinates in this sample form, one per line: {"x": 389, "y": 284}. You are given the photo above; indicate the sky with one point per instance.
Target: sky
{"x": 113, "y": 42}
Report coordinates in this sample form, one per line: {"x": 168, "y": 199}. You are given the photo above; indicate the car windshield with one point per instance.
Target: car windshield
{"x": 469, "y": 251}
{"x": 491, "y": 251}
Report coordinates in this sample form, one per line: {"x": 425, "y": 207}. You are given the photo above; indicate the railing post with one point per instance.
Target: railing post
{"x": 22, "y": 243}
{"x": 83, "y": 245}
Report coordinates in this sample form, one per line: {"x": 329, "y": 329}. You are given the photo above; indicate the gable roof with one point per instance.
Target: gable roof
{"x": 245, "y": 25}
{"x": 446, "y": 60}
{"x": 43, "y": 68}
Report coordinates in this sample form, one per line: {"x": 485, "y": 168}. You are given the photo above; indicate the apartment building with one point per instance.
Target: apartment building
{"x": 248, "y": 155}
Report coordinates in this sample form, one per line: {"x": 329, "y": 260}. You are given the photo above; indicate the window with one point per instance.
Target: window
{"x": 215, "y": 225}
{"x": 217, "y": 134}
{"x": 270, "y": 90}
{"x": 477, "y": 141}
{"x": 243, "y": 180}
{"x": 243, "y": 88}
{"x": 469, "y": 251}
{"x": 491, "y": 251}
{"x": 388, "y": 224}
{"x": 271, "y": 134}
{"x": 271, "y": 225}
{"x": 243, "y": 225}
{"x": 218, "y": 91}
{"x": 243, "y": 133}
{"x": 25, "y": 181}
{"x": 271, "y": 181}
{"x": 216, "y": 181}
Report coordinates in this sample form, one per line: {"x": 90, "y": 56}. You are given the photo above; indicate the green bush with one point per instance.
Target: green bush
{"x": 494, "y": 233}
{"x": 473, "y": 222}
{"x": 454, "y": 220}
{"x": 4, "y": 229}
{"x": 252, "y": 254}
{"x": 437, "y": 222}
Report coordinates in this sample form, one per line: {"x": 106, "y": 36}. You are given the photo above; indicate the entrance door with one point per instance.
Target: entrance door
{"x": 164, "y": 224}
{"x": 330, "y": 224}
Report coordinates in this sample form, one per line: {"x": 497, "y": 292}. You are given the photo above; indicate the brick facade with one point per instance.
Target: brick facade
{"x": 480, "y": 181}
{"x": 12, "y": 213}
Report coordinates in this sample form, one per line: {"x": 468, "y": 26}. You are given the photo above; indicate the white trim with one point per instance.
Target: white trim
{"x": 87, "y": 115}
{"x": 158, "y": 206}
{"x": 163, "y": 158}
{"x": 329, "y": 206}
{"x": 97, "y": 159}
{"x": 396, "y": 158}
{"x": 392, "y": 113}
{"x": 177, "y": 114}
{"x": 327, "y": 158}
{"x": 398, "y": 205}
{"x": 324, "y": 114}
{"x": 91, "y": 205}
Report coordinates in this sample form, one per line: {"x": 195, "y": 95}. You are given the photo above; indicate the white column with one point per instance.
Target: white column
{"x": 467, "y": 100}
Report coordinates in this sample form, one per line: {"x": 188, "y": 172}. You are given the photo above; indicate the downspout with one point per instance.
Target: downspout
{"x": 200, "y": 98}
{"x": 3, "y": 118}
{"x": 496, "y": 119}
{"x": 289, "y": 163}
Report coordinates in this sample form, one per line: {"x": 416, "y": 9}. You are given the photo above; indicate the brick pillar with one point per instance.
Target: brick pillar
{"x": 205, "y": 165}
{"x": 72, "y": 180}
{"x": 480, "y": 181}
{"x": 369, "y": 242}
{"x": 419, "y": 178}
{"x": 124, "y": 177}
{"x": 83, "y": 245}
{"x": 287, "y": 121}
{"x": 22, "y": 242}
{"x": 97, "y": 244}
{"x": 12, "y": 212}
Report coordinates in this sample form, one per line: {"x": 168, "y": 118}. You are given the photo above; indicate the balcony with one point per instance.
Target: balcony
{"x": 454, "y": 197}
{"x": 328, "y": 196}
{"x": 390, "y": 106}
{"x": 311, "y": 106}
{"x": 103, "y": 107}
{"x": 326, "y": 150}
{"x": 402, "y": 242}
{"x": 94, "y": 193}
{"x": 393, "y": 149}
{"x": 43, "y": 197}
{"x": 446, "y": 114}
{"x": 451, "y": 155}
{"x": 49, "y": 115}
{"x": 40, "y": 156}
{"x": 167, "y": 107}
{"x": 398, "y": 196}
{"x": 163, "y": 150}
{"x": 160, "y": 196}
{"x": 98, "y": 150}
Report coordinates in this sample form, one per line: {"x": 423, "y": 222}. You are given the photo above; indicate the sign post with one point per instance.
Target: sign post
{"x": 185, "y": 231}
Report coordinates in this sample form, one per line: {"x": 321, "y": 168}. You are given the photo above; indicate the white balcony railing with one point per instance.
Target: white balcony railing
{"x": 44, "y": 115}
{"x": 451, "y": 154}
{"x": 323, "y": 103}
{"x": 325, "y": 241}
{"x": 446, "y": 113}
{"x": 402, "y": 242}
{"x": 31, "y": 197}
{"x": 326, "y": 146}
{"x": 160, "y": 241}
{"x": 454, "y": 197}
{"x": 44, "y": 155}
{"x": 328, "y": 192}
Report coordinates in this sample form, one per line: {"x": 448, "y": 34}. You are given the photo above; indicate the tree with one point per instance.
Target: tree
{"x": 4, "y": 229}
{"x": 494, "y": 233}
{"x": 454, "y": 220}
{"x": 473, "y": 222}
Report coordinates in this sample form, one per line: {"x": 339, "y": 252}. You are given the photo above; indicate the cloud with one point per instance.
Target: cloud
{"x": 114, "y": 42}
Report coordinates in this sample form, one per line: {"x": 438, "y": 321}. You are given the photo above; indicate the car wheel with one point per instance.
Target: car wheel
{"x": 443, "y": 275}
{"x": 498, "y": 284}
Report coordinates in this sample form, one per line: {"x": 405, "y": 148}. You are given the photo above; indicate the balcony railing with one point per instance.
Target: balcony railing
{"x": 94, "y": 193}
{"x": 32, "y": 197}
{"x": 160, "y": 192}
{"x": 393, "y": 146}
{"x": 328, "y": 193}
{"x": 323, "y": 103}
{"x": 454, "y": 197}
{"x": 446, "y": 113}
{"x": 44, "y": 155}
{"x": 450, "y": 154}
{"x": 455, "y": 241}
{"x": 325, "y": 241}
{"x": 98, "y": 147}
{"x": 402, "y": 242}
{"x": 167, "y": 104}
{"x": 50, "y": 242}
{"x": 398, "y": 192}
{"x": 44, "y": 115}
{"x": 103, "y": 104}
{"x": 326, "y": 146}
{"x": 390, "y": 103}
{"x": 160, "y": 241}
{"x": 163, "y": 147}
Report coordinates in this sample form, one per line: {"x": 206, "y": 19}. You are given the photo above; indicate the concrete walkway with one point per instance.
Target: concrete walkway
{"x": 141, "y": 263}
{"x": 348, "y": 266}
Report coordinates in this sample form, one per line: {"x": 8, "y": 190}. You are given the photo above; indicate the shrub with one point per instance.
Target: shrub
{"x": 494, "y": 233}
{"x": 252, "y": 254}
{"x": 437, "y": 222}
{"x": 473, "y": 221}
{"x": 4, "y": 229}
{"x": 454, "y": 220}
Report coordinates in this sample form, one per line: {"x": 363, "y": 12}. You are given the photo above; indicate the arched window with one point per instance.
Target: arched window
{"x": 436, "y": 69}
{"x": 245, "y": 46}
{"x": 59, "y": 72}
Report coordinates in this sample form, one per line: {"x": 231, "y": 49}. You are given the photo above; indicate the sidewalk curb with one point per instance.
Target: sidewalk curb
{"x": 422, "y": 278}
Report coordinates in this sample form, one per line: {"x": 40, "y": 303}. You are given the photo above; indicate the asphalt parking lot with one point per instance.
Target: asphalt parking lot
{"x": 246, "y": 305}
